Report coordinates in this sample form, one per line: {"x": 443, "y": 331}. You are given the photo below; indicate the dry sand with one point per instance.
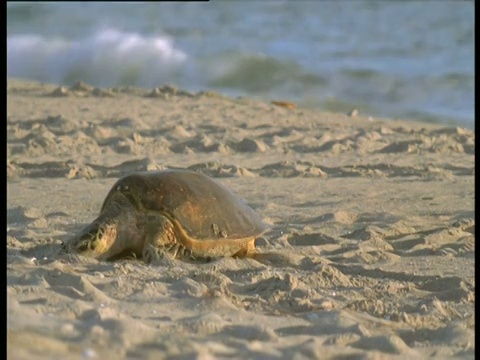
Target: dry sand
{"x": 375, "y": 219}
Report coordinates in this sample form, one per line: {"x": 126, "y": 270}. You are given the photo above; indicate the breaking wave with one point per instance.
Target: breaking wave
{"x": 107, "y": 58}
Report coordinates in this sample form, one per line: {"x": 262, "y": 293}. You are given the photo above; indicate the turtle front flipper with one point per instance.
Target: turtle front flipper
{"x": 161, "y": 241}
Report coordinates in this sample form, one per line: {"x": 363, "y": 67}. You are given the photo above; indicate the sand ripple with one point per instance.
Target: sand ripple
{"x": 372, "y": 226}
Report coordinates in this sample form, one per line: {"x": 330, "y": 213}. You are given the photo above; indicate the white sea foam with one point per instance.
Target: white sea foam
{"x": 108, "y": 57}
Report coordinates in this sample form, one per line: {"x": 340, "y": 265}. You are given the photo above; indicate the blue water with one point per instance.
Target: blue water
{"x": 410, "y": 60}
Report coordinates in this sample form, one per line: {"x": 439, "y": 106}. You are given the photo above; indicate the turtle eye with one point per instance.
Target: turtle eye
{"x": 84, "y": 242}
{"x": 100, "y": 233}
{"x": 83, "y": 246}
{"x": 90, "y": 239}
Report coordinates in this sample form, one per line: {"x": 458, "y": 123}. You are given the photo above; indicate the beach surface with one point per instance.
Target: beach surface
{"x": 374, "y": 219}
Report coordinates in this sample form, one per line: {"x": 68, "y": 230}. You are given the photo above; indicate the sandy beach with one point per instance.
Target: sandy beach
{"x": 375, "y": 219}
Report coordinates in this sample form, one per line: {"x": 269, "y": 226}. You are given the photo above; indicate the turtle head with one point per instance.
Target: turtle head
{"x": 96, "y": 240}
{"x": 113, "y": 233}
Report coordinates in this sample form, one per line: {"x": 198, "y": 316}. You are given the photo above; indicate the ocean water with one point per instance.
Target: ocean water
{"x": 409, "y": 60}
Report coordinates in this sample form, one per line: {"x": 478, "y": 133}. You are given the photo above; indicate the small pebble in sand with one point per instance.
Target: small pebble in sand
{"x": 353, "y": 113}
{"x": 89, "y": 353}
{"x": 285, "y": 104}
{"x": 326, "y": 305}
{"x": 67, "y": 329}
{"x": 60, "y": 91}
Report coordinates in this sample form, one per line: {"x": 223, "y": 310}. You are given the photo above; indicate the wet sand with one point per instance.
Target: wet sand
{"x": 375, "y": 219}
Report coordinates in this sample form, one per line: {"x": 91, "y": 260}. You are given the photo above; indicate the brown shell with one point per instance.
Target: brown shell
{"x": 203, "y": 207}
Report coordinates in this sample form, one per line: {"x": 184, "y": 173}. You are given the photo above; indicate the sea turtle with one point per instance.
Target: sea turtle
{"x": 183, "y": 213}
